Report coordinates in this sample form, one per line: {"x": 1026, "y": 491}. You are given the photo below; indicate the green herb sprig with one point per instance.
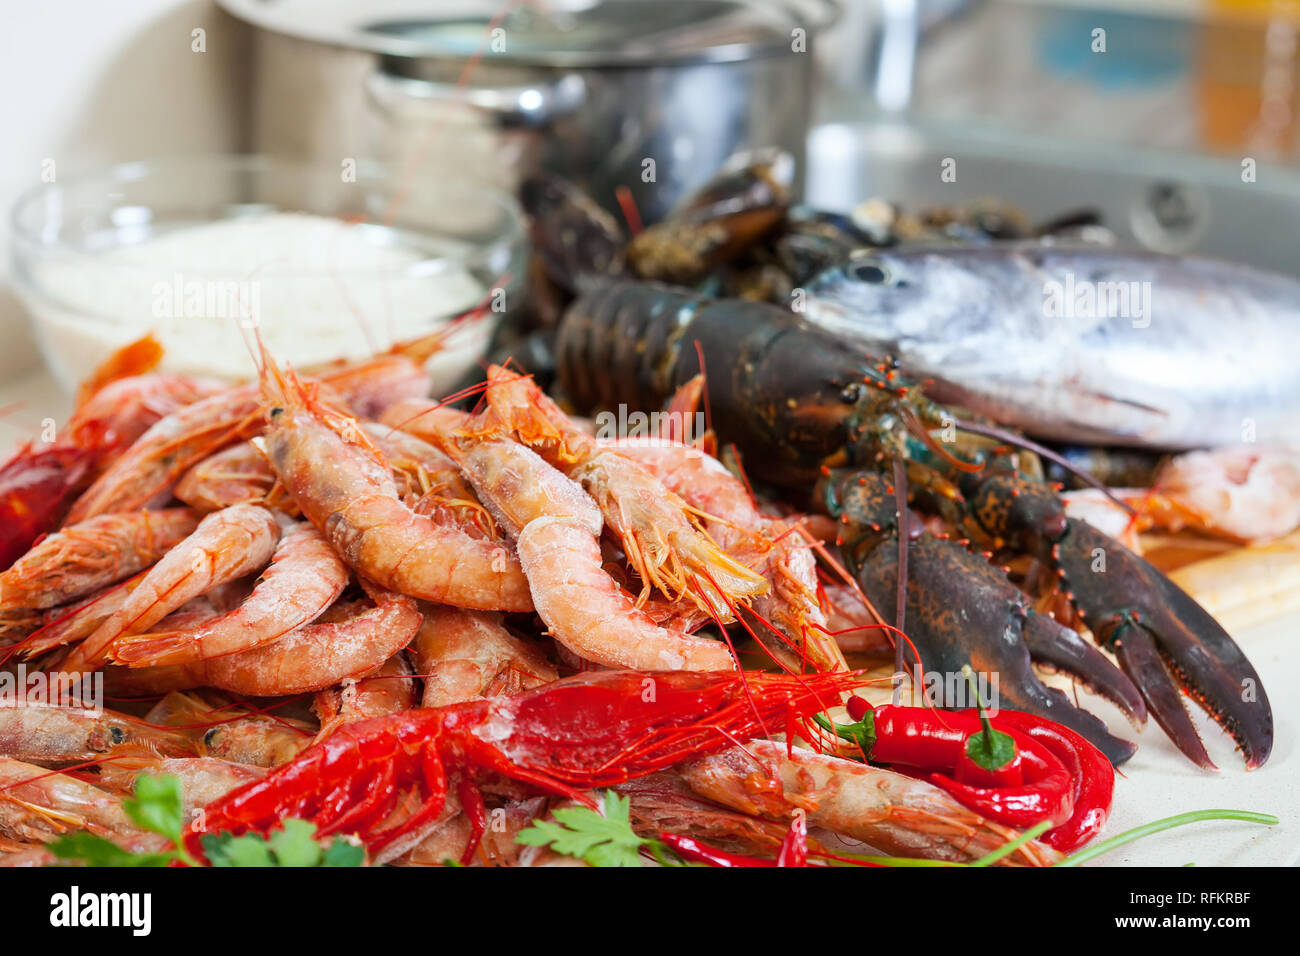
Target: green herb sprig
{"x": 159, "y": 807}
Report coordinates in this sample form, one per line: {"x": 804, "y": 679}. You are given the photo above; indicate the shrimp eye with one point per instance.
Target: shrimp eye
{"x": 276, "y": 412}
{"x": 210, "y": 736}
{"x": 116, "y": 734}
{"x": 868, "y": 270}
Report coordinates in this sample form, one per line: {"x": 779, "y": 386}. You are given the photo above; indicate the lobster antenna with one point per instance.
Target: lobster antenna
{"x": 1011, "y": 438}
{"x": 917, "y": 428}
{"x": 900, "y": 498}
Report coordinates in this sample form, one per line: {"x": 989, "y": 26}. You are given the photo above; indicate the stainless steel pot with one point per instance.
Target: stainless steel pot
{"x": 648, "y": 94}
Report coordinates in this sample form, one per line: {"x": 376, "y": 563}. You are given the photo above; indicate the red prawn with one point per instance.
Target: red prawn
{"x": 596, "y": 729}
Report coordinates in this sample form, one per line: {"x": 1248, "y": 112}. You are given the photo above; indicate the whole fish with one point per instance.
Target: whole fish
{"x": 1088, "y": 345}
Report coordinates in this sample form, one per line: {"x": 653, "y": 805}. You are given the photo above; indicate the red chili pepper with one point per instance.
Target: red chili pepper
{"x": 793, "y": 852}
{"x": 794, "y": 848}
{"x": 990, "y": 758}
{"x": 693, "y": 851}
{"x": 935, "y": 741}
{"x": 1092, "y": 775}
{"x": 1046, "y": 793}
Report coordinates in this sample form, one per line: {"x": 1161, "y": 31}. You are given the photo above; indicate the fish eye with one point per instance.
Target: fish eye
{"x": 868, "y": 270}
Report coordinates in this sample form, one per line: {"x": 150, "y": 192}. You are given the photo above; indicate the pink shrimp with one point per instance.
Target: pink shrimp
{"x": 147, "y": 470}
{"x": 236, "y": 475}
{"x": 55, "y": 736}
{"x": 431, "y": 482}
{"x": 226, "y": 545}
{"x": 42, "y": 480}
{"x": 87, "y": 557}
{"x": 38, "y": 806}
{"x": 231, "y": 732}
{"x": 424, "y": 418}
{"x": 556, "y": 526}
{"x": 665, "y": 548}
{"x": 469, "y": 655}
{"x": 203, "y": 779}
{"x": 390, "y": 689}
{"x": 768, "y": 545}
{"x": 304, "y": 578}
{"x": 177, "y": 441}
{"x": 891, "y": 812}
{"x": 77, "y": 621}
{"x": 345, "y": 488}
{"x": 307, "y": 659}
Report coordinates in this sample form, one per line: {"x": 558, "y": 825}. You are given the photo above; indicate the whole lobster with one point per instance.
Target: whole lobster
{"x": 811, "y": 414}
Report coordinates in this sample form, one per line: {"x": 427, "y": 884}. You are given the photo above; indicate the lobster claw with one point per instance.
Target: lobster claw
{"x": 992, "y": 627}
{"x": 1166, "y": 642}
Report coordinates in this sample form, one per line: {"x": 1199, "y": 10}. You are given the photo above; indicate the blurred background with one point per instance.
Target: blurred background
{"x": 1166, "y": 115}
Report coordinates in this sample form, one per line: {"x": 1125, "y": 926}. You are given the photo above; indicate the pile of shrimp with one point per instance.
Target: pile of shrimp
{"x": 266, "y": 563}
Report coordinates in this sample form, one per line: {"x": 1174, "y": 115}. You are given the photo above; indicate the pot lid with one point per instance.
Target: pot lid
{"x": 555, "y": 33}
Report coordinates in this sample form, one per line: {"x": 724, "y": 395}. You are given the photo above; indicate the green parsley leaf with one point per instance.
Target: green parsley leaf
{"x": 96, "y": 851}
{"x": 158, "y": 806}
{"x": 342, "y": 853}
{"x": 223, "y": 850}
{"x": 600, "y": 839}
{"x": 294, "y": 844}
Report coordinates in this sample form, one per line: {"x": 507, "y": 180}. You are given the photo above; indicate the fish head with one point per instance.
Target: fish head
{"x": 883, "y": 297}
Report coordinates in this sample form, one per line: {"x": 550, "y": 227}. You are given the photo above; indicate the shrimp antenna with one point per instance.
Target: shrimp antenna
{"x": 1020, "y": 441}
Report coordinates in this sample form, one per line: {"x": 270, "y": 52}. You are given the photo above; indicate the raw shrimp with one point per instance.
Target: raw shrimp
{"x": 173, "y": 444}
{"x": 556, "y": 527}
{"x": 237, "y": 475}
{"x": 390, "y": 689}
{"x": 41, "y": 481}
{"x": 890, "y": 812}
{"x": 430, "y": 481}
{"x": 424, "y": 418}
{"x": 256, "y": 740}
{"x": 344, "y": 487}
{"x": 768, "y": 545}
{"x": 226, "y": 545}
{"x": 373, "y": 384}
{"x": 663, "y": 546}
{"x": 305, "y": 577}
{"x": 78, "y": 621}
{"x": 55, "y": 736}
{"x": 233, "y": 733}
{"x": 663, "y": 802}
{"x": 203, "y": 779}
{"x": 517, "y": 485}
{"x": 855, "y": 630}
{"x": 467, "y": 655}
{"x": 590, "y": 614}
{"x": 86, "y": 557}
{"x": 37, "y": 805}
{"x": 1248, "y": 493}
{"x": 157, "y": 459}
{"x": 307, "y": 659}
{"x": 451, "y": 835}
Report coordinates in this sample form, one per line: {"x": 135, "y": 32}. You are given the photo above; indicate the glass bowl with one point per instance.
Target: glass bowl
{"x": 211, "y": 253}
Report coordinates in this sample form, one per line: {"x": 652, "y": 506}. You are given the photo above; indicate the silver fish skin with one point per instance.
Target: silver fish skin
{"x": 1173, "y": 351}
